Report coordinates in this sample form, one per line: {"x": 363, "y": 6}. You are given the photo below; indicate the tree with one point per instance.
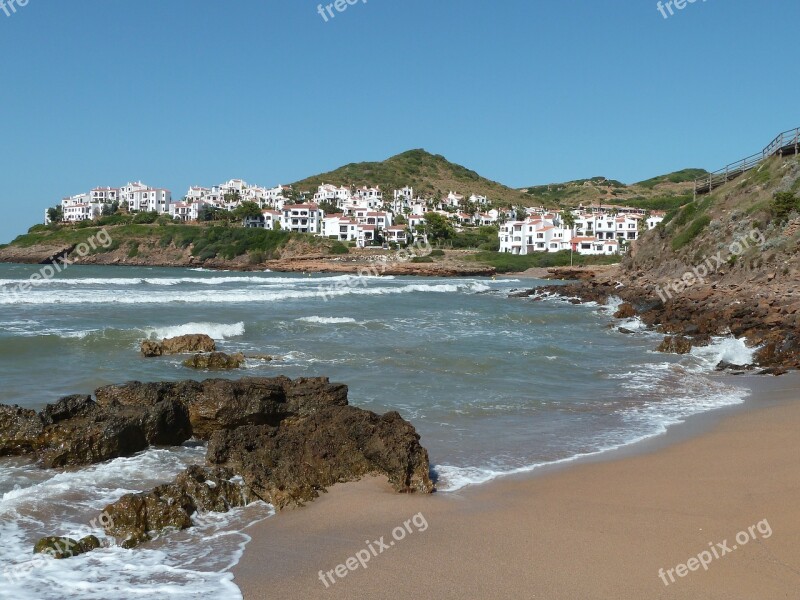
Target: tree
{"x": 232, "y": 198}
{"x": 568, "y": 220}
{"x": 328, "y": 207}
{"x": 783, "y": 205}
{"x": 247, "y": 210}
{"x": 55, "y": 214}
{"x": 437, "y": 227}
{"x": 110, "y": 209}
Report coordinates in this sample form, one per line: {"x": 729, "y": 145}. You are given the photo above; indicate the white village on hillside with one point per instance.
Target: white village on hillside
{"x": 364, "y": 217}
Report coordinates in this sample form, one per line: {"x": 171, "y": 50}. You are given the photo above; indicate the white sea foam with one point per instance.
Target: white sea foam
{"x": 249, "y": 295}
{"x": 724, "y": 348}
{"x": 327, "y": 320}
{"x": 191, "y": 564}
{"x": 217, "y": 331}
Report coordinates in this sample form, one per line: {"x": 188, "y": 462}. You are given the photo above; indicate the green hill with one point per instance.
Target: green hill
{"x": 431, "y": 175}
{"x": 659, "y": 193}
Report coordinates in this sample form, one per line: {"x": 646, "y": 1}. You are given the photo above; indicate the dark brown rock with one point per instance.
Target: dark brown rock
{"x": 135, "y": 517}
{"x": 184, "y": 344}
{"x": 215, "y": 360}
{"x": 625, "y": 311}
{"x": 675, "y": 345}
{"x": 77, "y": 431}
{"x": 290, "y": 464}
{"x": 226, "y": 404}
{"x": 19, "y": 430}
{"x": 62, "y": 547}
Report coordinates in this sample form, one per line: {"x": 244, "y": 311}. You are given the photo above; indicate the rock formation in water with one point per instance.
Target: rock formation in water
{"x": 274, "y": 439}
{"x": 184, "y": 344}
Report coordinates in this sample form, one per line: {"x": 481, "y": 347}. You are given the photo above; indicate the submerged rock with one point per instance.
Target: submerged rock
{"x": 215, "y": 360}
{"x": 63, "y": 547}
{"x": 675, "y": 345}
{"x": 625, "y": 311}
{"x": 183, "y": 344}
{"x": 134, "y": 518}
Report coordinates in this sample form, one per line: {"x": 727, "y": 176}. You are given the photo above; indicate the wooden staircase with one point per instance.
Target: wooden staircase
{"x": 784, "y": 144}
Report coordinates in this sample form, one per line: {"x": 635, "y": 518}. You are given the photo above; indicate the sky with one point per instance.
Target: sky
{"x": 195, "y": 92}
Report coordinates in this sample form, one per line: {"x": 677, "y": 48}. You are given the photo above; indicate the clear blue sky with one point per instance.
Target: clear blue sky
{"x": 180, "y": 92}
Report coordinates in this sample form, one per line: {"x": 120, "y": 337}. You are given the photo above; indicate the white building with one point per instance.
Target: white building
{"x": 302, "y": 218}
{"x": 396, "y": 234}
{"x": 141, "y": 198}
{"x": 654, "y": 219}
{"x": 269, "y": 219}
{"x": 339, "y": 227}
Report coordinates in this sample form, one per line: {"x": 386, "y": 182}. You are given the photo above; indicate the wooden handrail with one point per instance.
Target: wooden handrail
{"x": 707, "y": 183}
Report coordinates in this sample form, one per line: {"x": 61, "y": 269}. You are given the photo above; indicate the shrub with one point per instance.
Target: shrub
{"x": 339, "y": 248}
{"x": 145, "y": 218}
{"x": 134, "y": 251}
{"x": 117, "y": 219}
{"x": 784, "y": 204}
{"x": 256, "y": 258}
{"x": 691, "y": 232}
{"x": 436, "y": 252}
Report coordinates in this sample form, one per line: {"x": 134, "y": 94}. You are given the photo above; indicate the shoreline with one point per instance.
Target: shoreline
{"x": 614, "y": 519}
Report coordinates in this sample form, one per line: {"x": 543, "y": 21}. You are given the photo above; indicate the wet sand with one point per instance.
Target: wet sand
{"x": 595, "y": 530}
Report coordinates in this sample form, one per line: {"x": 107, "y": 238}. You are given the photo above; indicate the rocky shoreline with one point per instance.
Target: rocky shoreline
{"x": 277, "y": 440}
{"x": 372, "y": 261}
{"x": 765, "y": 311}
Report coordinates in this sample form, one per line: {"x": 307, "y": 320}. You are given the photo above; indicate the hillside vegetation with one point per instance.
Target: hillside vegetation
{"x": 760, "y": 210}
{"x": 659, "y": 193}
{"x": 173, "y": 244}
{"x": 429, "y": 175}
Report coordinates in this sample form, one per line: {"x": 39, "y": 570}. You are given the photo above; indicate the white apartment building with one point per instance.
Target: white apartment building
{"x": 142, "y": 198}
{"x": 339, "y": 227}
{"x": 267, "y": 220}
{"x": 80, "y": 208}
{"x": 302, "y": 218}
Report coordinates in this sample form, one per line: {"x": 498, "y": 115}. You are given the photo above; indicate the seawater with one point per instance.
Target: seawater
{"x": 494, "y": 386}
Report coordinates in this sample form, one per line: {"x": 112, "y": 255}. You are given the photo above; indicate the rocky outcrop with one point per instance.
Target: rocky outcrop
{"x": 78, "y": 431}
{"x": 765, "y": 312}
{"x": 135, "y": 517}
{"x": 215, "y": 361}
{"x": 216, "y": 404}
{"x": 291, "y": 463}
{"x": 286, "y": 440}
{"x": 184, "y": 344}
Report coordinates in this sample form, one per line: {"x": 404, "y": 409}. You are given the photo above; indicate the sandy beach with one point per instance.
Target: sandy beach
{"x": 612, "y": 528}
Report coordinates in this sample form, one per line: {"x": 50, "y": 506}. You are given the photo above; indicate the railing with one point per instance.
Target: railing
{"x": 785, "y": 140}
{"x": 788, "y": 141}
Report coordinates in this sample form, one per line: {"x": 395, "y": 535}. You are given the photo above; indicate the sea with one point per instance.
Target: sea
{"x": 494, "y": 385}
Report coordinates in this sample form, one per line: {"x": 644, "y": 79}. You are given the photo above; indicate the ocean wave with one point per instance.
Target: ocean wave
{"x": 226, "y": 296}
{"x": 217, "y": 331}
{"x": 724, "y": 348}
{"x": 184, "y": 565}
{"x": 327, "y": 320}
